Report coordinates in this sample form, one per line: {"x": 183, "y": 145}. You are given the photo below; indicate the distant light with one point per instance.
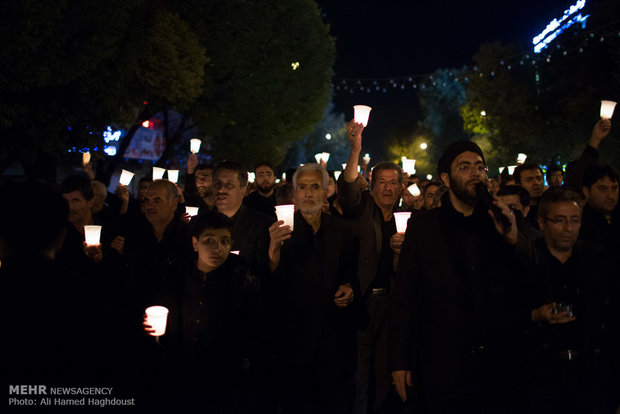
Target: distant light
{"x": 109, "y": 135}
{"x": 557, "y": 26}
{"x": 423, "y": 145}
{"x": 110, "y": 150}
{"x": 146, "y": 124}
{"x": 328, "y": 136}
{"x": 429, "y": 177}
{"x": 483, "y": 113}
{"x": 295, "y": 65}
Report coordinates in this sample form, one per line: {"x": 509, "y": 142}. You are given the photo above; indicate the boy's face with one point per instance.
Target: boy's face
{"x": 213, "y": 247}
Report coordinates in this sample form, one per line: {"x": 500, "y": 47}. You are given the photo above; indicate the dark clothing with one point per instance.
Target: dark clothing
{"x": 149, "y": 261}
{"x": 583, "y": 382}
{"x": 596, "y": 228}
{"x": 574, "y": 175}
{"x": 375, "y": 275}
{"x": 250, "y": 237}
{"x": 61, "y": 329}
{"x": 213, "y": 338}
{"x": 315, "y": 337}
{"x": 265, "y": 205}
{"x": 455, "y": 321}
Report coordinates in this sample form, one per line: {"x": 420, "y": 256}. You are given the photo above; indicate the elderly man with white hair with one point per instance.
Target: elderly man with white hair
{"x": 313, "y": 274}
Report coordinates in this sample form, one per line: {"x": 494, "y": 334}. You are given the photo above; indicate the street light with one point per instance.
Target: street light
{"x": 423, "y": 145}
{"x": 328, "y": 136}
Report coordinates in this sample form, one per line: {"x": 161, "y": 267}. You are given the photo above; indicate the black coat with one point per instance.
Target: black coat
{"x": 452, "y": 294}
{"x": 311, "y": 268}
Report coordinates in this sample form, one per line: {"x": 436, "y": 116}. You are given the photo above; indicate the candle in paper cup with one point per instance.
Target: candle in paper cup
{"x": 286, "y": 213}
{"x": 251, "y": 177}
{"x": 158, "y": 173}
{"x": 192, "y": 211}
{"x": 173, "y": 175}
{"x": 521, "y": 157}
{"x": 92, "y": 235}
{"x": 607, "y": 109}
{"x": 126, "y": 177}
{"x": 366, "y": 159}
{"x": 235, "y": 252}
{"x": 157, "y": 317}
{"x": 194, "y": 145}
{"x": 414, "y": 190}
{"x": 501, "y": 169}
{"x": 361, "y": 113}
{"x": 401, "y": 221}
{"x": 408, "y": 165}
{"x": 511, "y": 169}
{"x": 337, "y": 174}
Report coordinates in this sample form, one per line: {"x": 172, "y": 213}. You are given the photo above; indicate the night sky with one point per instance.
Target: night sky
{"x": 390, "y": 38}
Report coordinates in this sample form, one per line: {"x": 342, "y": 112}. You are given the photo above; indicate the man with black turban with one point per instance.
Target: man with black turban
{"x": 454, "y": 321}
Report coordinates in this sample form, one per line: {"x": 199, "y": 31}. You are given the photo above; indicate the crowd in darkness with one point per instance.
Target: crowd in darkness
{"x": 502, "y": 295}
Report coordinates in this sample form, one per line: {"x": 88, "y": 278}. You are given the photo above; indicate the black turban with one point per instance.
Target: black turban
{"x": 452, "y": 151}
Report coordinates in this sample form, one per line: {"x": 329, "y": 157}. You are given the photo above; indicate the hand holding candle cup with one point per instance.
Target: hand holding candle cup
{"x": 286, "y": 213}
{"x": 155, "y": 320}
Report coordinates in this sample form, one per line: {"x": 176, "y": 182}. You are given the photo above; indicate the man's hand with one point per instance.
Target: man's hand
{"x": 511, "y": 234}
{"x": 546, "y": 314}
{"x": 118, "y": 244}
{"x": 93, "y": 252}
{"x": 344, "y": 295}
{"x": 402, "y": 381}
{"x": 601, "y": 130}
{"x": 122, "y": 192}
{"x": 192, "y": 163}
{"x": 354, "y": 133}
{"x": 147, "y": 328}
{"x": 277, "y": 235}
{"x": 396, "y": 242}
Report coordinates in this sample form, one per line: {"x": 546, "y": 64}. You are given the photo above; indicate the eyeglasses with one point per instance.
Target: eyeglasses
{"x": 564, "y": 220}
{"x": 468, "y": 168}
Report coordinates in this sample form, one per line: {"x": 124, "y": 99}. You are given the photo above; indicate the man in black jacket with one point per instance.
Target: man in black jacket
{"x": 451, "y": 326}
{"x": 372, "y": 212}
{"x": 573, "y": 302}
{"x": 250, "y": 233}
{"x": 313, "y": 272}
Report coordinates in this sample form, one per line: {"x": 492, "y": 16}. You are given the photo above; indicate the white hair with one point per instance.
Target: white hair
{"x": 312, "y": 167}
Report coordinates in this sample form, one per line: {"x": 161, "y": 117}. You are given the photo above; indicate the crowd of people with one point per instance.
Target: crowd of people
{"x": 502, "y": 295}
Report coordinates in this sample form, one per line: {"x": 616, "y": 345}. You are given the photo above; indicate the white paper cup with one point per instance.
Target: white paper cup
{"x": 194, "y": 145}
{"x": 158, "y": 173}
{"x": 607, "y": 109}
{"x": 408, "y": 165}
{"x": 337, "y": 174}
{"x": 361, "y": 113}
{"x": 286, "y": 213}
{"x": 414, "y": 190}
{"x": 511, "y": 169}
{"x": 235, "y": 252}
{"x": 157, "y": 317}
{"x": 401, "y": 221}
{"x": 521, "y": 157}
{"x": 92, "y": 235}
{"x": 173, "y": 175}
{"x": 126, "y": 177}
{"x": 192, "y": 211}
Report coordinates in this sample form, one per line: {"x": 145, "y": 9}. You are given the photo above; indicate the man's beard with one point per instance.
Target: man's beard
{"x": 464, "y": 194}
{"x": 265, "y": 188}
{"x": 206, "y": 192}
